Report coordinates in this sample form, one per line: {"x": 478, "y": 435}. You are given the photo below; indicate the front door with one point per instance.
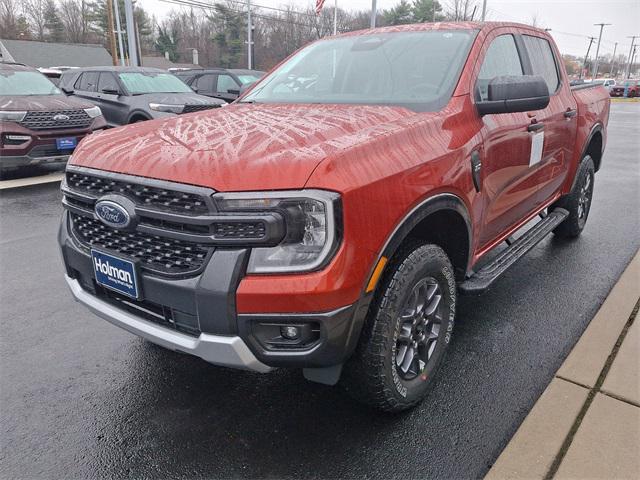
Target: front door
{"x": 509, "y": 186}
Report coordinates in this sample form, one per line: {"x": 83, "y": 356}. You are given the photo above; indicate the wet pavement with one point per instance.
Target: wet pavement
{"x": 80, "y": 398}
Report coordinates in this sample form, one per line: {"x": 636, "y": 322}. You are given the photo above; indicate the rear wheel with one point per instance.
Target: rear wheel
{"x": 407, "y": 332}
{"x": 578, "y": 202}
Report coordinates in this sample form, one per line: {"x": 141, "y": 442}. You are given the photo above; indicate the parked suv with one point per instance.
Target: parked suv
{"x": 329, "y": 218}
{"x": 134, "y": 94}
{"x": 38, "y": 123}
{"x": 628, "y": 88}
{"x": 221, "y": 83}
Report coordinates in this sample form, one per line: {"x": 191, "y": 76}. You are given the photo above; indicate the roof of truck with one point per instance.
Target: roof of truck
{"x": 418, "y": 27}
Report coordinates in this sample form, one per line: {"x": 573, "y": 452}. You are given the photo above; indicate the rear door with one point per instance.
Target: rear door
{"x": 227, "y": 88}
{"x": 557, "y": 123}
{"x": 205, "y": 84}
{"x": 508, "y": 187}
{"x": 86, "y": 86}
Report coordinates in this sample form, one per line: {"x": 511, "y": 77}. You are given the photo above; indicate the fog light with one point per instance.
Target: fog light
{"x": 290, "y": 333}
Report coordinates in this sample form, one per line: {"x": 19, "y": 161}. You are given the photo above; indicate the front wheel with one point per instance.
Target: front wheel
{"x": 407, "y": 331}
{"x": 578, "y": 202}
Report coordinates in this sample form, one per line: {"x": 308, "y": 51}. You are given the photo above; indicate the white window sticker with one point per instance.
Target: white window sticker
{"x": 537, "y": 144}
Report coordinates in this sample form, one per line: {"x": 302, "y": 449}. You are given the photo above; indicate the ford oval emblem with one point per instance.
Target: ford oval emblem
{"x": 61, "y": 117}
{"x": 112, "y": 214}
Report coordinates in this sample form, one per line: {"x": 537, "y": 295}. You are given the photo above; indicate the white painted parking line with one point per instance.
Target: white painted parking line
{"x": 26, "y": 182}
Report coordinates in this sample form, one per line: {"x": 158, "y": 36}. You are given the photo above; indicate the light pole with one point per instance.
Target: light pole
{"x": 373, "y": 13}
{"x": 484, "y": 9}
{"x": 131, "y": 33}
{"x": 627, "y": 72}
{"x": 249, "y": 39}
{"x": 584, "y": 64}
{"x": 120, "y": 42}
{"x": 594, "y": 74}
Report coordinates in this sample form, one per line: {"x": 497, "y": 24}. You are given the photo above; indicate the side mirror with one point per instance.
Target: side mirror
{"x": 510, "y": 94}
{"x": 67, "y": 90}
{"x": 234, "y": 91}
{"x": 111, "y": 91}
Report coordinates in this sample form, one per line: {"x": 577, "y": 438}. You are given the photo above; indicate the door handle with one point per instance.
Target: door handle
{"x": 534, "y": 127}
{"x": 571, "y": 113}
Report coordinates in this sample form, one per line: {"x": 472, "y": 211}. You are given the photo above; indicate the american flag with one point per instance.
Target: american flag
{"x": 319, "y": 5}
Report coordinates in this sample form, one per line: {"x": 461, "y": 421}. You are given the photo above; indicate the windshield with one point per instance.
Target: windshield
{"x": 246, "y": 79}
{"x": 144, "y": 82}
{"x": 26, "y": 83}
{"x": 418, "y": 70}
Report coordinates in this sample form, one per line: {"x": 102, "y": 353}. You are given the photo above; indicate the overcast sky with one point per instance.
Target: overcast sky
{"x": 570, "y": 21}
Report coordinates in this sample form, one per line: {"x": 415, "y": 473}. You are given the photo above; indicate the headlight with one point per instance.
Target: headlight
{"x": 165, "y": 107}
{"x": 313, "y": 227}
{"x": 10, "y": 116}
{"x": 93, "y": 112}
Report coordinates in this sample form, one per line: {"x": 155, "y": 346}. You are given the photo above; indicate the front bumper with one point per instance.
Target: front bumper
{"x": 203, "y": 313}
{"x": 228, "y": 351}
{"x": 27, "y": 160}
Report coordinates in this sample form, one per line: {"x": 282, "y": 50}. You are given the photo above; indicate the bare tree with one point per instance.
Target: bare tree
{"x": 75, "y": 17}
{"x": 9, "y": 18}
{"x": 35, "y": 12}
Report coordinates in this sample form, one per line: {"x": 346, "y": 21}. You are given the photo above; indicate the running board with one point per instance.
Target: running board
{"x": 483, "y": 278}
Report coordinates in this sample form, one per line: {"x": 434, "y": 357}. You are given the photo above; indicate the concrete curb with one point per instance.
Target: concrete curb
{"x": 559, "y": 437}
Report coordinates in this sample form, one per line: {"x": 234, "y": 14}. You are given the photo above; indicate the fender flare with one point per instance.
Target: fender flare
{"x": 426, "y": 207}
{"x": 597, "y": 128}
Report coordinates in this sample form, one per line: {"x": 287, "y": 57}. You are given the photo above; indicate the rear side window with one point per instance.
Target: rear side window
{"x": 87, "y": 82}
{"x": 542, "y": 60}
{"x": 206, "y": 83}
{"x": 502, "y": 58}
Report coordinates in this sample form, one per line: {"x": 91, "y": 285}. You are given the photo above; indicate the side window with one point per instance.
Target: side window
{"x": 502, "y": 58}
{"x": 225, "y": 83}
{"x": 205, "y": 83}
{"x": 107, "y": 81}
{"x": 87, "y": 82}
{"x": 542, "y": 60}
{"x": 78, "y": 84}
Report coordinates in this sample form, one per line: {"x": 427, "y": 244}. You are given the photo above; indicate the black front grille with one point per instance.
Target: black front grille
{"x": 148, "y": 196}
{"x": 197, "y": 108}
{"x": 64, "y": 119}
{"x": 41, "y": 151}
{"x": 157, "y": 254}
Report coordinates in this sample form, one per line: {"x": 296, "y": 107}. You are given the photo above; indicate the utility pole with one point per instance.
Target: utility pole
{"x": 484, "y": 9}
{"x": 373, "y": 13}
{"x": 584, "y": 64}
{"x": 131, "y": 33}
{"x": 249, "y": 39}
{"x": 112, "y": 34}
{"x": 120, "y": 42}
{"x": 627, "y": 72}
{"x": 594, "y": 74}
{"x": 613, "y": 59}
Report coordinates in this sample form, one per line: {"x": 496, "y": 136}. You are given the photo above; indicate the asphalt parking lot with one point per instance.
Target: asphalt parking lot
{"x": 82, "y": 399}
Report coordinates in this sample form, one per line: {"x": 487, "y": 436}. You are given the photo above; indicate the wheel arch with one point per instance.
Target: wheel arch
{"x": 137, "y": 115}
{"x": 594, "y": 145}
{"x": 443, "y": 220}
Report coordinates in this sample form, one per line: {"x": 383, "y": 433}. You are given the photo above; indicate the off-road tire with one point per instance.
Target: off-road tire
{"x": 371, "y": 375}
{"x": 574, "y": 202}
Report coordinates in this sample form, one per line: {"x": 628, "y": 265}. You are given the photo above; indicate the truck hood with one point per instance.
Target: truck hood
{"x": 41, "y": 103}
{"x": 240, "y": 147}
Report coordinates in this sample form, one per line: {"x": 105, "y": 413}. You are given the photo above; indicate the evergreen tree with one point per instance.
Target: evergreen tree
{"x": 398, "y": 15}
{"x": 427, "y": 11}
{"x": 167, "y": 42}
{"x": 53, "y": 24}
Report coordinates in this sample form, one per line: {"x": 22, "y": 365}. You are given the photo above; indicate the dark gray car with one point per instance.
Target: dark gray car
{"x": 223, "y": 83}
{"x": 133, "y": 94}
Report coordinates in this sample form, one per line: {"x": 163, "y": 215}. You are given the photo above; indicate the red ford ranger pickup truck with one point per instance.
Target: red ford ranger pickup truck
{"x": 38, "y": 123}
{"x": 329, "y": 218}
